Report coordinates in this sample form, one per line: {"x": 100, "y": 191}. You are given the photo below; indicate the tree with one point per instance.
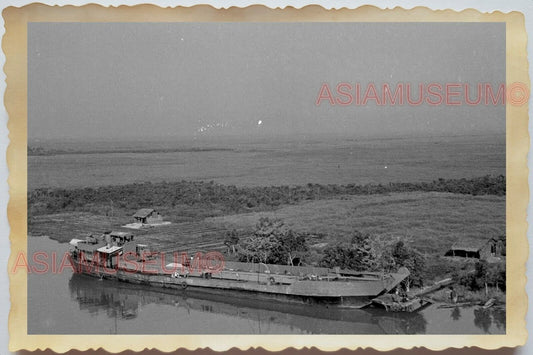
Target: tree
{"x": 367, "y": 252}
{"x": 483, "y": 276}
{"x": 400, "y": 255}
{"x": 358, "y": 254}
{"x": 271, "y": 242}
{"x": 257, "y": 249}
{"x": 231, "y": 239}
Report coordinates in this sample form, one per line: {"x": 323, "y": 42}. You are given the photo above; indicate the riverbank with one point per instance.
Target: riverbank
{"x": 466, "y": 298}
{"x": 201, "y": 214}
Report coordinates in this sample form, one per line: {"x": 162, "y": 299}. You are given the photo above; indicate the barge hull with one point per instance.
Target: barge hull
{"x": 325, "y": 293}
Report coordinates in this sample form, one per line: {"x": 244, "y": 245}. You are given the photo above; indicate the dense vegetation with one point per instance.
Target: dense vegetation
{"x": 366, "y": 252}
{"x": 357, "y": 254}
{"x": 233, "y": 199}
{"x": 483, "y": 276}
{"x": 272, "y": 242}
{"x": 475, "y": 282}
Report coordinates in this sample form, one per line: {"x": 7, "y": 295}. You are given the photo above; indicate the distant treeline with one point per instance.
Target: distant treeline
{"x": 231, "y": 199}
{"x": 39, "y": 151}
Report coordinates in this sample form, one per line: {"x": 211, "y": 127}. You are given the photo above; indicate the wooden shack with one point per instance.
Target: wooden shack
{"x": 147, "y": 216}
{"x": 482, "y": 249}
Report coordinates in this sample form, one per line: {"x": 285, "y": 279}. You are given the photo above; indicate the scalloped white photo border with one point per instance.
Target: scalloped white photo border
{"x": 523, "y": 6}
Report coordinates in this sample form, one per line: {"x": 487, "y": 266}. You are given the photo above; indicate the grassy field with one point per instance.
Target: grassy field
{"x": 429, "y": 221}
{"x": 426, "y": 192}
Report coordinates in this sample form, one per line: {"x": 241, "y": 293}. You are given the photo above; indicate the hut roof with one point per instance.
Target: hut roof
{"x": 472, "y": 245}
{"x": 143, "y": 212}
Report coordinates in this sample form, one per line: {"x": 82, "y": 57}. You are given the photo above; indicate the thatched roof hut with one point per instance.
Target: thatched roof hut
{"x": 476, "y": 248}
{"x": 147, "y": 215}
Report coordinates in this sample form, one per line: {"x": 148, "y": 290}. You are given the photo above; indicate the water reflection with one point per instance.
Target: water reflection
{"x": 401, "y": 323}
{"x": 125, "y": 301}
{"x": 62, "y": 303}
{"x": 94, "y": 298}
{"x": 485, "y": 318}
{"x": 456, "y": 313}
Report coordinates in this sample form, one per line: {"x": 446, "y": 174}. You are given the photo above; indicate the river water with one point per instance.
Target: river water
{"x": 67, "y": 303}
{"x": 291, "y": 162}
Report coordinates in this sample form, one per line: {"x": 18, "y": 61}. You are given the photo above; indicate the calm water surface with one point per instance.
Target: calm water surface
{"x": 273, "y": 163}
{"x": 67, "y": 303}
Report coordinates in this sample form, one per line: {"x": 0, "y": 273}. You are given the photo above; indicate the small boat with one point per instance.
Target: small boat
{"x": 115, "y": 255}
{"x": 489, "y": 303}
{"x": 396, "y": 303}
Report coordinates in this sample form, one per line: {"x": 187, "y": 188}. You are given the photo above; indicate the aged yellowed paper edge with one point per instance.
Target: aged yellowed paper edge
{"x": 14, "y": 45}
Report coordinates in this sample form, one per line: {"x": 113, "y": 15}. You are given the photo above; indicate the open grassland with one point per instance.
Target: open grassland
{"x": 429, "y": 221}
{"x": 431, "y": 216}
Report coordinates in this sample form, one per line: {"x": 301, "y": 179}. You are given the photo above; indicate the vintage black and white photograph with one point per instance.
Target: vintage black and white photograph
{"x": 266, "y": 178}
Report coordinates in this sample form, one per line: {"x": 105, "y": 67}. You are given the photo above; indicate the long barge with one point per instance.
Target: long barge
{"x": 115, "y": 255}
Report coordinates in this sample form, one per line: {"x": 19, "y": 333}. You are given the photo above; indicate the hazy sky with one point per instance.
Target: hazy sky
{"x": 124, "y": 80}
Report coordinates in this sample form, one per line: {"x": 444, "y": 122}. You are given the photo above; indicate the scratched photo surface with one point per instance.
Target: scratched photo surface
{"x": 317, "y": 161}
